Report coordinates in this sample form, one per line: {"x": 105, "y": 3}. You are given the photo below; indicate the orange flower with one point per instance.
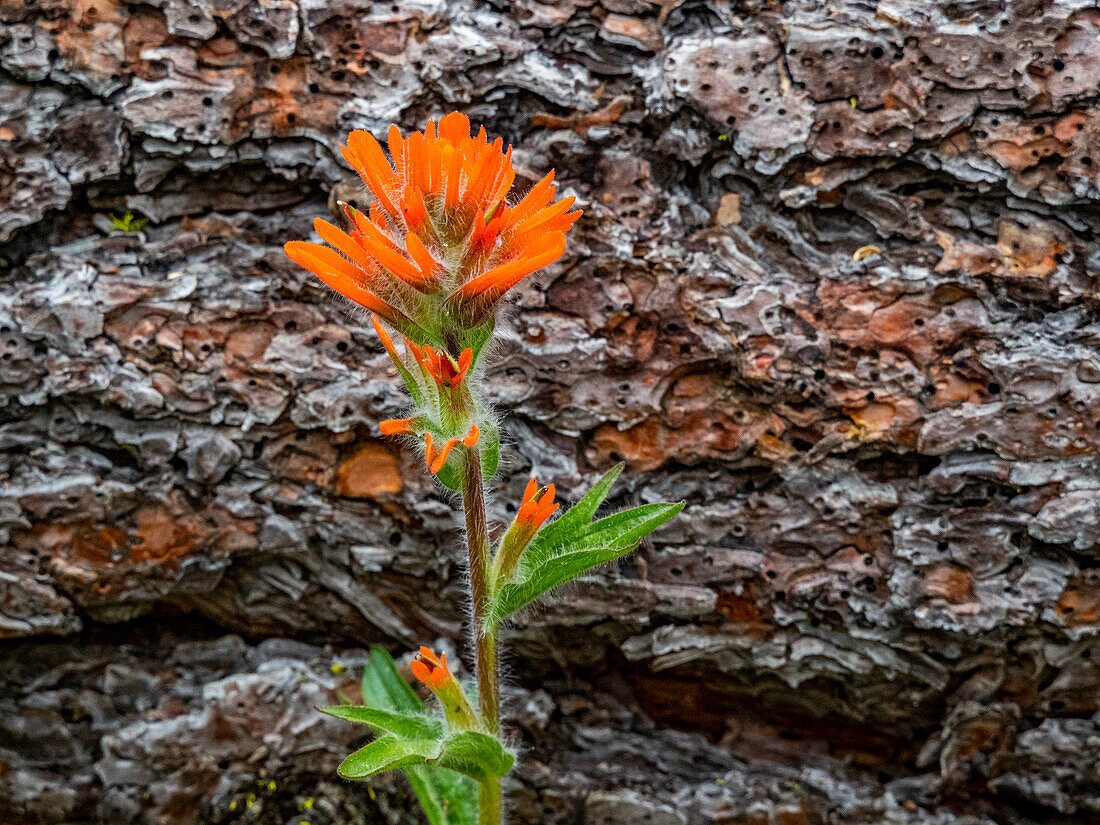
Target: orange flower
{"x": 431, "y": 669}
{"x": 435, "y": 459}
{"x": 440, "y": 365}
{"x": 538, "y": 505}
{"x": 441, "y": 244}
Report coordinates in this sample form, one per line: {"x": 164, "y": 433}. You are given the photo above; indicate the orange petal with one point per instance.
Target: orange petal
{"x": 452, "y": 162}
{"x": 540, "y": 219}
{"x": 421, "y": 672}
{"x": 499, "y": 280}
{"x": 415, "y": 212}
{"x": 416, "y": 170}
{"x": 455, "y": 127}
{"x": 395, "y": 426}
{"x": 370, "y": 162}
{"x": 472, "y": 437}
{"x": 487, "y": 172}
{"x": 387, "y": 342}
{"x": 476, "y": 175}
{"x": 429, "y": 452}
{"x": 380, "y": 246}
{"x": 435, "y": 164}
{"x": 342, "y": 276}
{"x": 339, "y": 239}
{"x": 397, "y": 148}
{"x": 419, "y": 253}
{"x": 318, "y": 259}
{"x": 504, "y": 183}
{"x": 441, "y": 457}
{"x": 465, "y": 360}
{"x": 439, "y": 676}
{"x": 536, "y": 199}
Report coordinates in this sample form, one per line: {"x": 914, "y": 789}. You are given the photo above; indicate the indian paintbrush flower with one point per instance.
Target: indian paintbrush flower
{"x": 441, "y": 244}
{"x": 537, "y": 506}
{"x": 433, "y": 672}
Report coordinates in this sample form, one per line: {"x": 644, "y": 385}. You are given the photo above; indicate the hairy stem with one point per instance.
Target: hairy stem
{"x": 489, "y": 807}
{"x": 488, "y": 686}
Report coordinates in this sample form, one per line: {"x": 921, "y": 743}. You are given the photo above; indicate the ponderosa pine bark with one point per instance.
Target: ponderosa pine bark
{"x": 835, "y": 286}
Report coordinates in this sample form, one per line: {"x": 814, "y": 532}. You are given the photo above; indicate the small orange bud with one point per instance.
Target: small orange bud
{"x": 431, "y": 669}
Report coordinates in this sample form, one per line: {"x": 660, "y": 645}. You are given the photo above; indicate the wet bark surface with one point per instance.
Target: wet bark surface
{"x": 835, "y": 286}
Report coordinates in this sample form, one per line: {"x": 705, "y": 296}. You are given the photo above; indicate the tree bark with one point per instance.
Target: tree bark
{"x": 835, "y": 285}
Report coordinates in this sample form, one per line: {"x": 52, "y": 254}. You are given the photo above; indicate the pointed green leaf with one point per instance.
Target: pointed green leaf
{"x": 410, "y": 384}
{"x": 472, "y": 753}
{"x": 447, "y": 797}
{"x": 402, "y": 725}
{"x": 478, "y": 337}
{"x": 548, "y": 567}
{"x": 517, "y": 594}
{"x": 387, "y": 754}
{"x": 630, "y": 526}
{"x": 476, "y": 754}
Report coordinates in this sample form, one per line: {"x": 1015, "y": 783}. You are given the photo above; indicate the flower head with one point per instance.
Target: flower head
{"x": 432, "y": 670}
{"x": 441, "y": 243}
{"x": 537, "y": 506}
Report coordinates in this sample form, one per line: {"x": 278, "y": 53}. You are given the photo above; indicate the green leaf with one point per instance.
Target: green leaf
{"x": 447, "y": 797}
{"x": 389, "y": 753}
{"x": 411, "y": 384}
{"x": 621, "y": 530}
{"x": 383, "y": 686}
{"x": 490, "y": 452}
{"x": 476, "y": 754}
{"x": 478, "y": 337}
{"x": 401, "y": 725}
{"x": 559, "y": 554}
{"x": 450, "y": 476}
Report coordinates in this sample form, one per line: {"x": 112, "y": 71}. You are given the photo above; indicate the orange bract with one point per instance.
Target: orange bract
{"x": 538, "y": 505}
{"x": 396, "y": 426}
{"x": 431, "y": 669}
{"x": 441, "y": 244}
{"x": 440, "y": 366}
{"x": 435, "y": 459}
